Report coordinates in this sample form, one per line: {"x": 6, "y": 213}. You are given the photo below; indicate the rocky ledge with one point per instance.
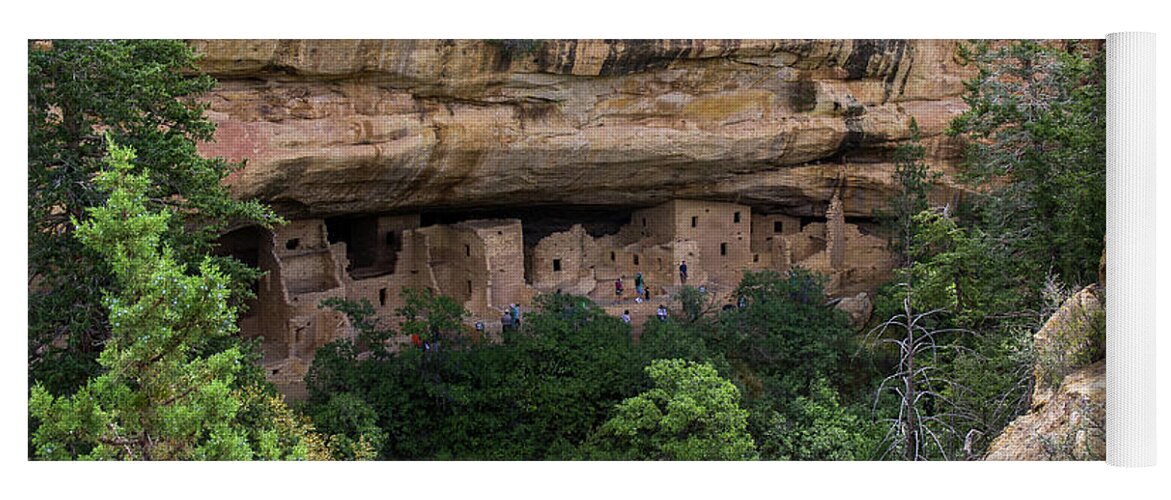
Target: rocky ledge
{"x": 333, "y": 127}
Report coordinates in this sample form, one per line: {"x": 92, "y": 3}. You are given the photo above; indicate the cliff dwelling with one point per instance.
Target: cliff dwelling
{"x": 486, "y": 264}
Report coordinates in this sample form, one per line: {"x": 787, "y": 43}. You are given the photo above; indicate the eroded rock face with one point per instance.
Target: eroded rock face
{"x": 356, "y": 126}
{"x": 1074, "y": 336}
{"x": 1071, "y": 425}
{"x": 365, "y": 143}
{"x": 1067, "y": 420}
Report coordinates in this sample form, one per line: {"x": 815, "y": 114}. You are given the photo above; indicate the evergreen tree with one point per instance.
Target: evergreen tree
{"x": 157, "y": 398}
{"x": 143, "y": 94}
{"x": 1037, "y": 130}
{"x": 913, "y": 178}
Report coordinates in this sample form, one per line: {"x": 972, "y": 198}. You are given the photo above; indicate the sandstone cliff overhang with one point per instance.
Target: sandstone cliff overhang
{"x": 334, "y": 127}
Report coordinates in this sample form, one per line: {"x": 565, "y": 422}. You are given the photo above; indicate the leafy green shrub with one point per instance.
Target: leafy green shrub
{"x": 818, "y": 427}
{"x": 690, "y": 413}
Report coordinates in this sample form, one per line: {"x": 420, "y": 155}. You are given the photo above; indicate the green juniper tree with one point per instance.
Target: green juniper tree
{"x": 158, "y": 398}
{"x": 142, "y": 93}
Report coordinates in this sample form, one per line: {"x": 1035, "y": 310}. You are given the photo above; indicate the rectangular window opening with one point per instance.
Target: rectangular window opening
{"x": 723, "y": 249}
{"x": 778, "y": 226}
{"x": 556, "y": 265}
{"x": 736, "y": 218}
{"x": 382, "y": 297}
{"x": 636, "y": 260}
{"x": 468, "y": 250}
{"x": 694, "y": 221}
{"x": 469, "y": 287}
{"x": 755, "y": 257}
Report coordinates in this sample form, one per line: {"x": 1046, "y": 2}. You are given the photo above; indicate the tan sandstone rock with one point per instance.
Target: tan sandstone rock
{"x": 858, "y": 308}
{"x": 1067, "y": 420}
{"x": 1070, "y": 425}
{"x": 731, "y": 149}
{"x": 1072, "y": 337}
{"x": 372, "y": 126}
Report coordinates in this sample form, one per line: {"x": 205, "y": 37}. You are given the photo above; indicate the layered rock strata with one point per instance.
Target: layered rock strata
{"x": 335, "y": 127}
{"x": 781, "y": 148}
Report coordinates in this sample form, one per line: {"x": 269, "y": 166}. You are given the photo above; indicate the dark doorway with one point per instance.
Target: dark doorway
{"x": 360, "y": 234}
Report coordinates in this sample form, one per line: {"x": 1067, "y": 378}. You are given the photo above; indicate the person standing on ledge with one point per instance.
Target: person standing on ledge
{"x": 638, "y": 287}
{"x": 505, "y": 321}
{"x": 626, "y": 316}
{"x": 683, "y": 273}
{"x": 618, "y": 290}
{"x": 514, "y": 311}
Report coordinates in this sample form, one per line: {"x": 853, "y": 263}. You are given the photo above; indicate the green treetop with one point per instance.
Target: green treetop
{"x": 691, "y": 413}
{"x": 1037, "y": 128}
{"x": 142, "y": 93}
{"x": 913, "y": 178}
{"x": 156, "y": 398}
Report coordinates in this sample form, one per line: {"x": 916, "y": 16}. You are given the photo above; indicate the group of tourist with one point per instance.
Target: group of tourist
{"x": 510, "y": 318}
{"x": 661, "y": 313}
{"x": 641, "y": 290}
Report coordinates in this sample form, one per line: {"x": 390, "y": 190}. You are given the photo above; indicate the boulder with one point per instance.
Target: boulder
{"x": 1067, "y": 419}
{"x": 858, "y": 308}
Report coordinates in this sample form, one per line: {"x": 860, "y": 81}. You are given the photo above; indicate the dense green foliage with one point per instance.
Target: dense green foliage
{"x": 978, "y": 278}
{"x": 690, "y": 413}
{"x": 785, "y": 334}
{"x": 1037, "y": 130}
{"x": 535, "y": 395}
{"x": 561, "y": 386}
{"x": 913, "y": 178}
{"x": 797, "y": 358}
{"x": 818, "y": 426}
{"x": 157, "y": 397}
{"x": 140, "y": 92}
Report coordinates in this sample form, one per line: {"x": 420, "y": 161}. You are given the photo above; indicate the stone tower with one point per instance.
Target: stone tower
{"x": 835, "y": 231}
